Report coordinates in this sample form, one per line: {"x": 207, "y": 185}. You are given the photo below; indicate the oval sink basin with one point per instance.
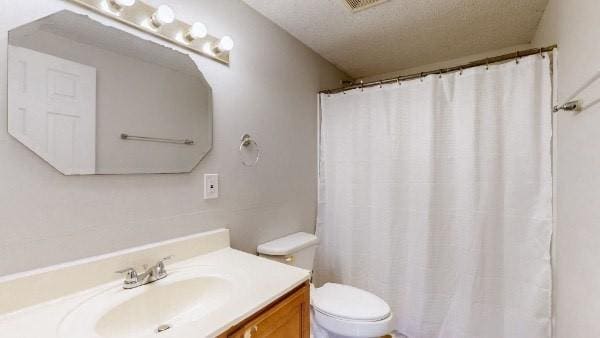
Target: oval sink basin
{"x": 161, "y": 305}
{"x": 117, "y": 313}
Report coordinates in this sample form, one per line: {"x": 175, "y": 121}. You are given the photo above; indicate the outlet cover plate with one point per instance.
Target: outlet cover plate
{"x": 211, "y": 186}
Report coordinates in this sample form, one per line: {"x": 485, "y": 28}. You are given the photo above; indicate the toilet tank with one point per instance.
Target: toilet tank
{"x": 296, "y": 249}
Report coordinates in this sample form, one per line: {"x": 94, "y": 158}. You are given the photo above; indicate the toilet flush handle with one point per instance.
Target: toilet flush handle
{"x": 289, "y": 259}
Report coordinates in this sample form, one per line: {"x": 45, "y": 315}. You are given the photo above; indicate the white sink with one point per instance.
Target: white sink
{"x": 184, "y": 296}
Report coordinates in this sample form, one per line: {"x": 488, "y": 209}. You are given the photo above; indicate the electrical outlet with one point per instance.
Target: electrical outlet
{"x": 211, "y": 186}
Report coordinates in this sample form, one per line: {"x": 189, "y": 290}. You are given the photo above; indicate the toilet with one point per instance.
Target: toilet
{"x": 337, "y": 310}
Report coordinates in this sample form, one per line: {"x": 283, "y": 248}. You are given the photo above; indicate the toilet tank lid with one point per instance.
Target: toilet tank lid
{"x": 288, "y": 245}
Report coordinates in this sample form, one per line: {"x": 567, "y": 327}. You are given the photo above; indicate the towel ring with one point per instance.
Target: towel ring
{"x": 247, "y": 141}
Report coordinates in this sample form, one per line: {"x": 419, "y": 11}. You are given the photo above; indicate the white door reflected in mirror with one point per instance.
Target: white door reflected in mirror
{"x": 52, "y": 109}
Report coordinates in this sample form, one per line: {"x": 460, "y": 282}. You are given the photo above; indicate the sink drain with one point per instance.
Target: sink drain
{"x": 162, "y": 328}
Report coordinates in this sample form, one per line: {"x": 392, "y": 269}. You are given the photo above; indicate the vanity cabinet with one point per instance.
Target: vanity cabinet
{"x": 287, "y": 317}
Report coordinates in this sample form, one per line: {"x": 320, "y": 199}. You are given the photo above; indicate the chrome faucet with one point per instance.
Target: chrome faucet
{"x": 152, "y": 274}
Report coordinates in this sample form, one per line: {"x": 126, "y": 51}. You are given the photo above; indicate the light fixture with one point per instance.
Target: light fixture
{"x": 163, "y": 15}
{"x": 224, "y": 45}
{"x": 160, "y": 21}
{"x": 118, "y": 5}
{"x": 197, "y": 31}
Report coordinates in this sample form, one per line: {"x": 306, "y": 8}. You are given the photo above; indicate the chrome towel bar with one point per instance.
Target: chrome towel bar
{"x": 156, "y": 139}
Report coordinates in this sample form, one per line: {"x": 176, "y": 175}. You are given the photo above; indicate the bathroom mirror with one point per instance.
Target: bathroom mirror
{"x": 92, "y": 99}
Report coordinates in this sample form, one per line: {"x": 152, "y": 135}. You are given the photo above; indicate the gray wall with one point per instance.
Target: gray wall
{"x": 268, "y": 91}
{"x": 573, "y": 24}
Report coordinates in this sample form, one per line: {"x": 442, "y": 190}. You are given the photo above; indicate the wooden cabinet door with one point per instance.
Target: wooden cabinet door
{"x": 287, "y": 318}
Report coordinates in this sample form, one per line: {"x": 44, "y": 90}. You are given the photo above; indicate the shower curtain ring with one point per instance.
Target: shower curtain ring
{"x": 517, "y": 57}
{"x": 440, "y": 73}
{"x": 421, "y": 77}
{"x": 487, "y": 64}
{"x": 380, "y": 84}
{"x": 461, "y": 70}
{"x": 542, "y": 53}
{"x": 399, "y": 82}
{"x": 361, "y": 86}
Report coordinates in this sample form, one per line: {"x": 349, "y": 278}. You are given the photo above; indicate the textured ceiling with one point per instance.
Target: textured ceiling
{"x": 401, "y": 34}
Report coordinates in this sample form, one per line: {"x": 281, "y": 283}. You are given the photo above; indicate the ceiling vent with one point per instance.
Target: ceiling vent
{"x": 359, "y": 5}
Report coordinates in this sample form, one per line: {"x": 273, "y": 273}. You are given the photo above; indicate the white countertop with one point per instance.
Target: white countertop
{"x": 257, "y": 283}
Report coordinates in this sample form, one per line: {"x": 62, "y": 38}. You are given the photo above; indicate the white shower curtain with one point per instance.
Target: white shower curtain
{"x": 436, "y": 195}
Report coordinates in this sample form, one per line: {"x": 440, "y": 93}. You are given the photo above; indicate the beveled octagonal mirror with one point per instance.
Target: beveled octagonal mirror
{"x": 92, "y": 99}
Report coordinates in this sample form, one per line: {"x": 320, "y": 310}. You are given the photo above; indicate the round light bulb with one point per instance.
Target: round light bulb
{"x": 163, "y": 15}
{"x": 118, "y": 5}
{"x": 225, "y": 44}
{"x": 124, "y": 3}
{"x": 197, "y": 31}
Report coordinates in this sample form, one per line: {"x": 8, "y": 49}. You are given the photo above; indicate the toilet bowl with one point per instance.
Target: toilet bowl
{"x": 337, "y": 310}
{"x": 344, "y": 311}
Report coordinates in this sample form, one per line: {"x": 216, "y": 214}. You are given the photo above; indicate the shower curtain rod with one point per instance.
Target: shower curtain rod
{"x": 481, "y": 62}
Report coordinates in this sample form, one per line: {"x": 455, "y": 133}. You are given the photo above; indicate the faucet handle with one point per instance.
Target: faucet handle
{"x": 161, "y": 262}
{"x": 130, "y": 274}
{"x": 161, "y": 265}
{"x": 125, "y": 270}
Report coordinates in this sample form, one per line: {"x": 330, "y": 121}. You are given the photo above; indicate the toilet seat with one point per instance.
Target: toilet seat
{"x": 349, "y": 311}
{"x": 350, "y": 303}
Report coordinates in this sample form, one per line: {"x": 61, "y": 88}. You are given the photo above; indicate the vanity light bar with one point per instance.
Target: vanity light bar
{"x": 161, "y": 22}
